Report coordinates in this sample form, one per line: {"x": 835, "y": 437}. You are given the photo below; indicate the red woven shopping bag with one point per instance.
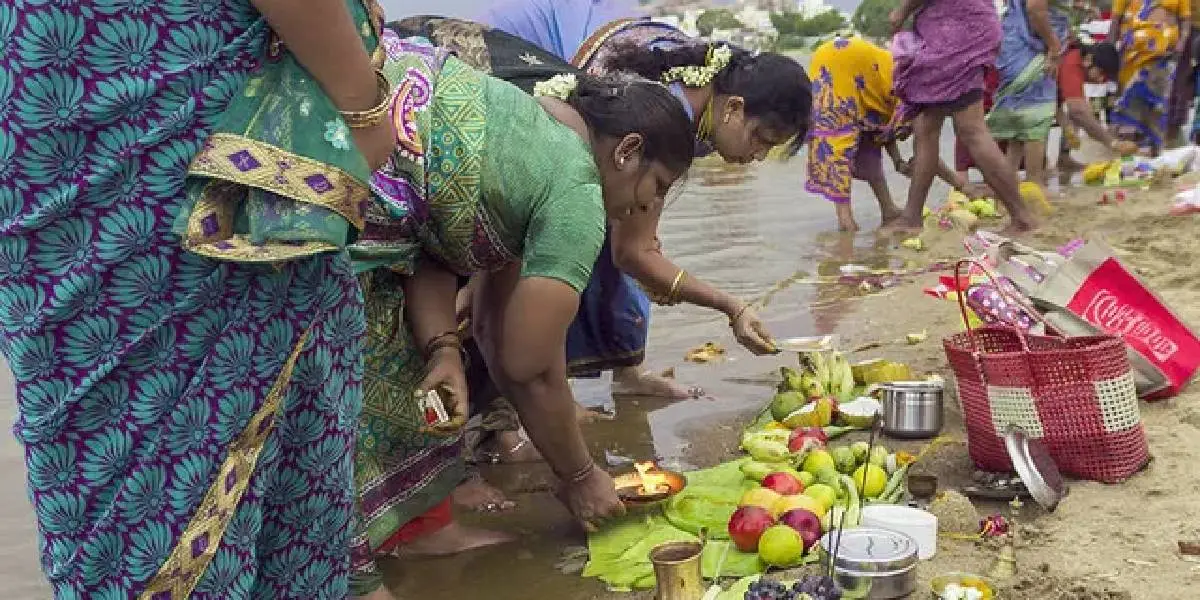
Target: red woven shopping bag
{"x": 1076, "y": 395}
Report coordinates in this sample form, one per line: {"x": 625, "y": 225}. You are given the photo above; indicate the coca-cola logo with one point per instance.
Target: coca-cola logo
{"x": 1106, "y": 311}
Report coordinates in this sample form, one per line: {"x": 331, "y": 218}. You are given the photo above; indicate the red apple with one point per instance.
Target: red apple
{"x": 785, "y": 484}
{"x": 747, "y": 525}
{"x": 807, "y": 524}
{"x": 798, "y": 441}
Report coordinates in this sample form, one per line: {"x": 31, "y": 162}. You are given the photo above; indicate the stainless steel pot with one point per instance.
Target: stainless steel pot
{"x": 912, "y": 409}
{"x": 873, "y": 564}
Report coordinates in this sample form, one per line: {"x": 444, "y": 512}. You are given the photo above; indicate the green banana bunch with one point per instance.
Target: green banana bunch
{"x": 792, "y": 380}
{"x": 810, "y": 387}
{"x": 815, "y": 363}
{"x": 842, "y": 376}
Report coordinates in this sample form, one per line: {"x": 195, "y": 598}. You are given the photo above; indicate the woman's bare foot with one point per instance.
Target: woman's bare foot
{"x": 903, "y": 224}
{"x": 587, "y": 415}
{"x": 478, "y": 495}
{"x": 1016, "y": 228}
{"x": 633, "y": 381}
{"x": 452, "y": 539}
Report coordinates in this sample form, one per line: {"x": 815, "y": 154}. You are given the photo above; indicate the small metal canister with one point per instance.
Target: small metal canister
{"x": 912, "y": 409}
{"x": 871, "y": 564}
{"x": 677, "y": 569}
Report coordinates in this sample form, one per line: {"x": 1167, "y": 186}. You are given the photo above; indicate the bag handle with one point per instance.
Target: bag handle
{"x": 962, "y": 304}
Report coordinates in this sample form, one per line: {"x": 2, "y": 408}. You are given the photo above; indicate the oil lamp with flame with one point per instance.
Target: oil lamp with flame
{"x": 648, "y": 484}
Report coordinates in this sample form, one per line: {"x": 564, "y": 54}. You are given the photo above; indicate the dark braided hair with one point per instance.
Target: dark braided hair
{"x": 775, "y": 88}
{"x": 618, "y": 105}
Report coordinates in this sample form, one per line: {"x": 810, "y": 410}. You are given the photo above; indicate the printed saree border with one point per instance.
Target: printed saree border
{"x": 592, "y": 45}
{"x": 243, "y": 160}
{"x": 198, "y": 543}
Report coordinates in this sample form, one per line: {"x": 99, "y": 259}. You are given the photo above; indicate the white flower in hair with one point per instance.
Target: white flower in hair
{"x": 699, "y": 76}
{"x": 559, "y": 86}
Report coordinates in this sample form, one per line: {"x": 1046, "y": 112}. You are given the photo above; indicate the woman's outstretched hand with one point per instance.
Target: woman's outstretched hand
{"x": 751, "y": 333}
{"x": 448, "y": 377}
{"x": 376, "y": 143}
{"x": 592, "y": 499}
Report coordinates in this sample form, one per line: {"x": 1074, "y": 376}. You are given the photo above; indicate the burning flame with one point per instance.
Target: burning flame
{"x": 652, "y": 482}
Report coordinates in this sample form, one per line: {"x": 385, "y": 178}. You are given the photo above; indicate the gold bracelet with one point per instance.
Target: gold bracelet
{"x": 738, "y": 315}
{"x": 365, "y": 119}
{"x": 676, "y": 288}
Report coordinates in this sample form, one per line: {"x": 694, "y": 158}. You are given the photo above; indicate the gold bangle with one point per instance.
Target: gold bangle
{"x": 376, "y": 115}
{"x": 676, "y": 288}
{"x": 738, "y": 315}
{"x": 578, "y": 476}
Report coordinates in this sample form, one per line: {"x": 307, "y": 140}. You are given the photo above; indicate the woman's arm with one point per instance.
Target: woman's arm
{"x": 430, "y": 298}
{"x": 324, "y": 39}
{"x": 522, "y": 329}
{"x": 430, "y": 312}
{"x": 1039, "y": 21}
{"x": 636, "y": 251}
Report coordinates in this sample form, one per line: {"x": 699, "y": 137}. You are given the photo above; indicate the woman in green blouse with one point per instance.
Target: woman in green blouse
{"x": 488, "y": 180}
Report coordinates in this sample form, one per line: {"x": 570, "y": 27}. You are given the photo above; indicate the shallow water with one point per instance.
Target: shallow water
{"x": 750, "y": 230}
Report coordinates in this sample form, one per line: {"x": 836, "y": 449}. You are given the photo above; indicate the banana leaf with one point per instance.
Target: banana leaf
{"x": 620, "y": 553}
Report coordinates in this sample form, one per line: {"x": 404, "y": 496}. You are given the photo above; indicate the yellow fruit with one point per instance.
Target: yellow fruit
{"x": 1035, "y": 198}
{"x": 808, "y": 503}
{"x": 806, "y": 478}
{"x": 864, "y": 370}
{"x": 876, "y": 480}
{"x": 781, "y": 546}
{"x": 817, "y": 413}
{"x": 775, "y": 426}
{"x": 822, "y": 493}
{"x": 761, "y": 497}
{"x": 913, "y": 244}
{"x": 817, "y": 461}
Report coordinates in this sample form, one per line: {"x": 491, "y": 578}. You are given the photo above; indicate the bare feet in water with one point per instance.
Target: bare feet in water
{"x": 633, "y": 381}
{"x": 452, "y": 539}
{"x": 480, "y": 496}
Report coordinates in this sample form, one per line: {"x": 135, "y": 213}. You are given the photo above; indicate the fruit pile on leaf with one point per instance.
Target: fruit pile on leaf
{"x": 807, "y": 488}
{"x": 822, "y": 392}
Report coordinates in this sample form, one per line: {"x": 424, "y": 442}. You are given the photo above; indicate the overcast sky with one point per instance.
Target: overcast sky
{"x": 396, "y": 9}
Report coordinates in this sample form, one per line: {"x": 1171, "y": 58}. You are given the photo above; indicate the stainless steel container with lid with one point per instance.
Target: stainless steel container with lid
{"x": 912, "y": 409}
{"x": 872, "y": 564}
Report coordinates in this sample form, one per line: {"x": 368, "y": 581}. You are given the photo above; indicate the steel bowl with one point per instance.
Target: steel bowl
{"x": 871, "y": 563}
{"x": 629, "y": 487}
{"x": 912, "y": 409}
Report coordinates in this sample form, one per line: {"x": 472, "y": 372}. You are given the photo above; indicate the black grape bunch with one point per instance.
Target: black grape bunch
{"x": 812, "y": 587}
